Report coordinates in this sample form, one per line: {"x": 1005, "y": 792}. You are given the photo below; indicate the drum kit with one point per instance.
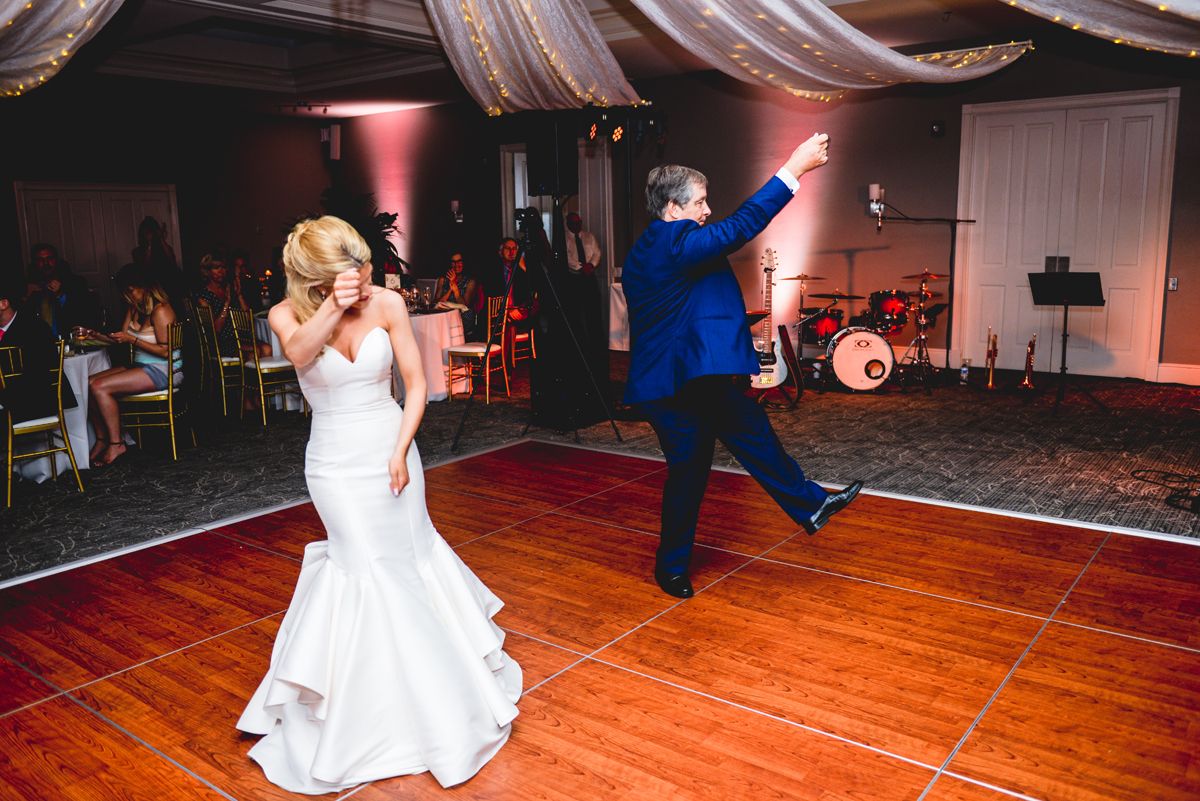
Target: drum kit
{"x": 858, "y": 355}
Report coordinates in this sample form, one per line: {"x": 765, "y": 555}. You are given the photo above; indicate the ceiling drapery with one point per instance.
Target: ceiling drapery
{"x": 805, "y": 49}
{"x": 514, "y": 55}
{"x": 1172, "y": 26}
{"x": 38, "y": 37}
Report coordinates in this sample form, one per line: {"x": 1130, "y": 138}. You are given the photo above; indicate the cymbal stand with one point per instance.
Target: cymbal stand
{"x": 918, "y": 350}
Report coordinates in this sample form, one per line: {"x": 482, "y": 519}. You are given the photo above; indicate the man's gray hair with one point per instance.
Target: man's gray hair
{"x": 670, "y": 182}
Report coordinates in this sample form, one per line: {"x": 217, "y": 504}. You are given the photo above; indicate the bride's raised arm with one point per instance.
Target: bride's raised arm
{"x": 412, "y": 373}
{"x": 302, "y": 342}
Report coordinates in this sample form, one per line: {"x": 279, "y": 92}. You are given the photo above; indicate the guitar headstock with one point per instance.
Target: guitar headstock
{"x": 769, "y": 261}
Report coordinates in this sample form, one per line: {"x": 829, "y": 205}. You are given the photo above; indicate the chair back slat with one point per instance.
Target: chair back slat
{"x": 10, "y": 362}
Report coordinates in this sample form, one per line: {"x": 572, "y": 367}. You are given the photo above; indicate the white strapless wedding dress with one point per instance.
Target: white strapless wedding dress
{"x": 387, "y": 662}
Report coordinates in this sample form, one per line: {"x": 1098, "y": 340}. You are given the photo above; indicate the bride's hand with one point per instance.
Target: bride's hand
{"x": 346, "y": 289}
{"x": 398, "y": 470}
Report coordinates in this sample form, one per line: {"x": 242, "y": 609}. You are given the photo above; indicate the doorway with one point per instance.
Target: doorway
{"x": 1084, "y": 178}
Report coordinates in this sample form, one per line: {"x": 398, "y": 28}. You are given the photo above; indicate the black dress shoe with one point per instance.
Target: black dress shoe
{"x": 832, "y": 505}
{"x": 678, "y": 585}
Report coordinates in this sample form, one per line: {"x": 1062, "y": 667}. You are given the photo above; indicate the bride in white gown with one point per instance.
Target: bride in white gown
{"x": 387, "y": 662}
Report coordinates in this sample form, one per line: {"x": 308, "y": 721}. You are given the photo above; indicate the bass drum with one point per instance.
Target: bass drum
{"x": 860, "y": 358}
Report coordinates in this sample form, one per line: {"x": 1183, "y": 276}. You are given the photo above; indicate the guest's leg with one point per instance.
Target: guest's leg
{"x": 103, "y": 435}
{"x": 687, "y": 437}
{"x": 104, "y": 393}
{"x": 744, "y": 428}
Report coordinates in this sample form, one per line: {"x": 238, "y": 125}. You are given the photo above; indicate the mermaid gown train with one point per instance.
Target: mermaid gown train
{"x": 387, "y": 662}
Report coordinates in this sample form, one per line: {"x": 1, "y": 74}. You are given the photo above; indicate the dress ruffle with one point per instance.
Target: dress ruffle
{"x": 371, "y": 679}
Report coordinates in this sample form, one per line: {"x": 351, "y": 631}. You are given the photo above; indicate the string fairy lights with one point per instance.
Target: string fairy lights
{"x": 38, "y": 39}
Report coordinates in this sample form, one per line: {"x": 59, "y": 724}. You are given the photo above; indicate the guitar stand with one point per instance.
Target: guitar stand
{"x": 789, "y": 356}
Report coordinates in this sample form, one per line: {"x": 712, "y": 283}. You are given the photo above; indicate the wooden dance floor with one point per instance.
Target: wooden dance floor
{"x": 907, "y": 651}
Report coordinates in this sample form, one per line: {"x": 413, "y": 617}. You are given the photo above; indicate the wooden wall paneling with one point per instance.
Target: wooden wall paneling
{"x": 1091, "y": 715}
{"x": 1139, "y": 586}
{"x": 1022, "y": 565}
{"x": 895, "y": 670}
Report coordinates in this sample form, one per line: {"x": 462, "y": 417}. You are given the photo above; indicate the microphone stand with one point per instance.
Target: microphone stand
{"x": 953, "y": 223}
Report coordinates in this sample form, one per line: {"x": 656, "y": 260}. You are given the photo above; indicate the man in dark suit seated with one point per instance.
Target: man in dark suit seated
{"x": 61, "y": 299}
{"x": 28, "y": 395}
{"x": 689, "y": 339}
{"x": 520, "y": 314}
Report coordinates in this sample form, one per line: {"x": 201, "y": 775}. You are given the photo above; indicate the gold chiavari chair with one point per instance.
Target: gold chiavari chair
{"x": 160, "y": 408}
{"x": 477, "y": 359}
{"x": 50, "y": 425}
{"x": 225, "y": 371}
{"x": 266, "y": 376}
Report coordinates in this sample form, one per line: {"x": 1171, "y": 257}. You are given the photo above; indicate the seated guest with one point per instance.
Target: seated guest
{"x": 28, "y": 395}
{"x": 61, "y": 299}
{"x": 457, "y": 286}
{"x": 145, "y": 327}
{"x": 239, "y": 266}
{"x": 276, "y": 278}
{"x": 155, "y": 254}
{"x": 221, "y": 292}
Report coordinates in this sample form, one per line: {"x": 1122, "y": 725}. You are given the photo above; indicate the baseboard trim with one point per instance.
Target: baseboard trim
{"x": 1179, "y": 374}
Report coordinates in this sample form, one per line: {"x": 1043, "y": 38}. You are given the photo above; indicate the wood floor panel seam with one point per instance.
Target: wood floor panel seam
{"x": 36, "y": 676}
{"x": 906, "y": 589}
{"x": 1011, "y": 672}
{"x": 161, "y": 656}
{"x": 148, "y": 747}
{"x": 449, "y": 488}
{"x": 768, "y": 715}
{"x": 1148, "y": 640}
{"x": 993, "y": 787}
{"x": 259, "y": 546}
{"x": 502, "y": 529}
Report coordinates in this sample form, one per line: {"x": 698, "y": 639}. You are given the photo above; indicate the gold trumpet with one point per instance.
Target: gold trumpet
{"x": 1028, "y": 382}
{"x": 991, "y": 359}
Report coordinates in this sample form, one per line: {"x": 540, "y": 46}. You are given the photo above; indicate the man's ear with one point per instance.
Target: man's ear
{"x": 671, "y": 212}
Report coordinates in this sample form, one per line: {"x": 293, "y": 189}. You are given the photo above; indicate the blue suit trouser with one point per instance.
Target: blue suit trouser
{"x": 688, "y": 425}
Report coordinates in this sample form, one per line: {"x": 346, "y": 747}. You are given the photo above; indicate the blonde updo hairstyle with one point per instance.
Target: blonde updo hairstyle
{"x": 315, "y": 253}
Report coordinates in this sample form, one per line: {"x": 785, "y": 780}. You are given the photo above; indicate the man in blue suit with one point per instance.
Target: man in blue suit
{"x": 689, "y": 337}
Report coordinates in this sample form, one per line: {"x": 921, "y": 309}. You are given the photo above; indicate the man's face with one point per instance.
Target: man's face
{"x": 508, "y": 251}
{"x": 695, "y": 209}
{"x": 574, "y": 223}
{"x": 46, "y": 262}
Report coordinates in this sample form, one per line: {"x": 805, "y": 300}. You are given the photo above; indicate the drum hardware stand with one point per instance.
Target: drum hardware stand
{"x": 918, "y": 349}
{"x": 953, "y": 223}
{"x": 1066, "y": 290}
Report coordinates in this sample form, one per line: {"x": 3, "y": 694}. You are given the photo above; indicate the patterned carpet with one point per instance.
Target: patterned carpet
{"x": 957, "y": 444}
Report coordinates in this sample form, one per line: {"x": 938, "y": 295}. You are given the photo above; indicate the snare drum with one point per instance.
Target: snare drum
{"x": 818, "y": 329}
{"x": 860, "y": 358}
{"x": 889, "y": 310}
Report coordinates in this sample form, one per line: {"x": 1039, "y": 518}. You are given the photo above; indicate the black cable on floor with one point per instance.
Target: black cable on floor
{"x": 1185, "y": 490}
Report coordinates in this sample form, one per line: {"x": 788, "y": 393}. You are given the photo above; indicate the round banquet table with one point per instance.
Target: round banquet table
{"x": 264, "y": 333}
{"x": 77, "y": 369}
{"x": 435, "y": 332}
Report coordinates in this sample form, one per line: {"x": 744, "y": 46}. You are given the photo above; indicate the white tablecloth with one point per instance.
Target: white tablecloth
{"x": 264, "y": 333}
{"x": 434, "y": 334}
{"x": 77, "y": 370}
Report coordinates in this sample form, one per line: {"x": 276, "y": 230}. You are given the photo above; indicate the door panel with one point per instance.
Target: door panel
{"x": 1016, "y": 176}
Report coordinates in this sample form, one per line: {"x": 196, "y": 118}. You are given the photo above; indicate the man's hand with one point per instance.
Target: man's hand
{"x": 811, "y": 154}
{"x": 53, "y": 286}
{"x": 586, "y": 268}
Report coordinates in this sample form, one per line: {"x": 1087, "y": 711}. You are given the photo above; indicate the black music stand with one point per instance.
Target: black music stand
{"x": 1067, "y": 290}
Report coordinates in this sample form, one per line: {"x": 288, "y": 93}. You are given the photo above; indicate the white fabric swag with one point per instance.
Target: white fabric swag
{"x": 38, "y": 37}
{"x": 1172, "y": 26}
{"x": 514, "y": 55}
{"x": 802, "y": 47}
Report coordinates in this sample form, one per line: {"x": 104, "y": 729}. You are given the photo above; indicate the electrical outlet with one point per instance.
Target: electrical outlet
{"x": 1172, "y": 284}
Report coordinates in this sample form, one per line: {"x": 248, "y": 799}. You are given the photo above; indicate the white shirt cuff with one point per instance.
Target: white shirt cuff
{"x": 789, "y": 179}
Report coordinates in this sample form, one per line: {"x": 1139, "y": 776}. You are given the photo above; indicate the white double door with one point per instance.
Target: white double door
{"x": 94, "y": 226}
{"x": 1090, "y": 182}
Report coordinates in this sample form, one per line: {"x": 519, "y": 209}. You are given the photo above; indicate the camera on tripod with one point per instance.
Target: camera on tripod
{"x": 529, "y": 219}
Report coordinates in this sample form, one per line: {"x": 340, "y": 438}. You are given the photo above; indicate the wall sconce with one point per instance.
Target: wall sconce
{"x": 454, "y": 210}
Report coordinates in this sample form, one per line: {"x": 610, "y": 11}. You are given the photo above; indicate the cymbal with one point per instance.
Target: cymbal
{"x": 927, "y": 293}
{"x": 838, "y": 296}
{"x": 927, "y": 276}
{"x": 803, "y": 277}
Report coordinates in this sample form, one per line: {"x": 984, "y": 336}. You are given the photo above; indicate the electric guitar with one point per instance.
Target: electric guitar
{"x": 771, "y": 363}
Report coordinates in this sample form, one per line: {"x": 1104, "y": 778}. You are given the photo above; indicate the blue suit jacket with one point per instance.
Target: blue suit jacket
{"x": 686, "y": 314}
